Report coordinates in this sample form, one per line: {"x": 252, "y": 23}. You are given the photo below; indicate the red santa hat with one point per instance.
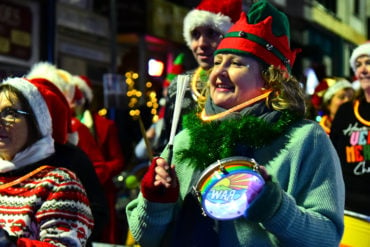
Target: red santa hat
{"x": 84, "y": 85}
{"x": 219, "y": 15}
{"x": 264, "y": 35}
{"x": 49, "y": 105}
{"x": 339, "y": 84}
{"x": 59, "y": 77}
{"x": 326, "y": 89}
{"x": 360, "y": 50}
{"x": 59, "y": 109}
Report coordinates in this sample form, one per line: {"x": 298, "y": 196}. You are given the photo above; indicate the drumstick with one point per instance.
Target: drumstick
{"x": 146, "y": 140}
{"x": 182, "y": 82}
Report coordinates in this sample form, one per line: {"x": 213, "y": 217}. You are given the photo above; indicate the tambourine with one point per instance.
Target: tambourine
{"x": 225, "y": 189}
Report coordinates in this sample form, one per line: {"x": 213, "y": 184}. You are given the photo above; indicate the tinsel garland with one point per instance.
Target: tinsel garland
{"x": 215, "y": 140}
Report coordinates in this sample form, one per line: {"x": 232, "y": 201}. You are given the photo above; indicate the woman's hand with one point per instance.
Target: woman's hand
{"x": 263, "y": 172}
{"x": 264, "y": 204}
{"x": 165, "y": 174}
{"x": 160, "y": 183}
{"x": 254, "y": 191}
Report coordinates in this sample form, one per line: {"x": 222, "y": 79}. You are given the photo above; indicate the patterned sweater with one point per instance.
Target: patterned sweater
{"x": 49, "y": 207}
{"x": 303, "y": 162}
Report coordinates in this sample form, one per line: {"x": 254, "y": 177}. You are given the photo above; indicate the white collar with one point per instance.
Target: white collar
{"x": 40, "y": 150}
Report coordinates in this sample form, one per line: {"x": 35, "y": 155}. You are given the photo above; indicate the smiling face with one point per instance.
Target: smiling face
{"x": 204, "y": 41}
{"x": 14, "y": 136}
{"x": 235, "y": 79}
{"x": 362, "y": 72}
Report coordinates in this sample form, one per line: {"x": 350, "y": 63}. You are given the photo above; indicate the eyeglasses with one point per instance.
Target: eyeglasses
{"x": 9, "y": 115}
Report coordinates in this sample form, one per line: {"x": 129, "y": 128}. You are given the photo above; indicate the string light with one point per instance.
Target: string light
{"x": 134, "y": 96}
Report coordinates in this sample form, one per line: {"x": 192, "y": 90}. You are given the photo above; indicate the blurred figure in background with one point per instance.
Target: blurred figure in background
{"x": 331, "y": 93}
{"x": 105, "y": 134}
{"x": 350, "y": 136}
{"x": 203, "y": 28}
{"x": 72, "y": 157}
{"x": 67, "y": 153}
{"x": 95, "y": 146}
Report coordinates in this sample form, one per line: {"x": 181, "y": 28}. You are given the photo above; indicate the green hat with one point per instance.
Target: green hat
{"x": 177, "y": 68}
{"x": 264, "y": 33}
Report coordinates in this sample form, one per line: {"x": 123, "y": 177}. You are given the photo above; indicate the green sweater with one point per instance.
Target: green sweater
{"x": 305, "y": 165}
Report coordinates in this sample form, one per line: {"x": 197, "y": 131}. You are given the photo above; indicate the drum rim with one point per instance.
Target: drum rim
{"x": 215, "y": 166}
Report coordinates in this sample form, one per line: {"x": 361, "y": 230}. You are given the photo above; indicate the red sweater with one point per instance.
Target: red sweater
{"x": 50, "y": 208}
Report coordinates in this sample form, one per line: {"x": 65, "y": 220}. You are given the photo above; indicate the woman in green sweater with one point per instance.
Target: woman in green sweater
{"x": 254, "y": 110}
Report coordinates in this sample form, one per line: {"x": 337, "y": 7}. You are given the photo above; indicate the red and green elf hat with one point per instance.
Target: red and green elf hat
{"x": 177, "y": 68}
{"x": 264, "y": 34}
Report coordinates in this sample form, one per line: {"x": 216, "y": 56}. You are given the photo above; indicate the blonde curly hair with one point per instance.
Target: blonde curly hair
{"x": 287, "y": 93}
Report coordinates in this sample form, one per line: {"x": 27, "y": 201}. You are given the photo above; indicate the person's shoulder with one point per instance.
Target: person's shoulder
{"x": 57, "y": 173}
{"x": 68, "y": 155}
{"x": 347, "y": 106}
{"x": 67, "y": 148}
{"x": 344, "y": 113}
{"x": 305, "y": 127}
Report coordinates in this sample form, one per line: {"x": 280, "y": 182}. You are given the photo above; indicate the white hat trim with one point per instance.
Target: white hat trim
{"x": 36, "y": 101}
{"x": 196, "y": 18}
{"x": 342, "y": 84}
{"x": 46, "y": 71}
{"x": 363, "y": 49}
{"x": 51, "y": 73}
{"x": 85, "y": 89}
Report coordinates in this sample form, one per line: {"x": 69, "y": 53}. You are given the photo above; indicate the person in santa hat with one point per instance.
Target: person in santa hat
{"x": 203, "y": 28}
{"x": 81, "y": 135}
{"x": 248, "y": 169}
{"x": 328, "y": 96}
{"x": 105, "y": 137}
{"x": 43, "y": 202}
{"x": 73, "y": 141}
{"x": 72, "y": 157}
{"x": 97, "y": 137}
{"x": 350, "y": 135}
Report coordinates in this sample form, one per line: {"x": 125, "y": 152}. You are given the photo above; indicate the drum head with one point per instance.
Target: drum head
{"x": 227, "y": 187}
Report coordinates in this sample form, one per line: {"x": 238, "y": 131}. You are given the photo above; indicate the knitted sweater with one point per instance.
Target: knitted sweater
{"x": 305, "y": 165}
{"x": 51, "y": 206}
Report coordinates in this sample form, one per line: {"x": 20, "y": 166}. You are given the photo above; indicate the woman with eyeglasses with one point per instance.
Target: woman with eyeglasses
{"x": 41, "y": 205}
